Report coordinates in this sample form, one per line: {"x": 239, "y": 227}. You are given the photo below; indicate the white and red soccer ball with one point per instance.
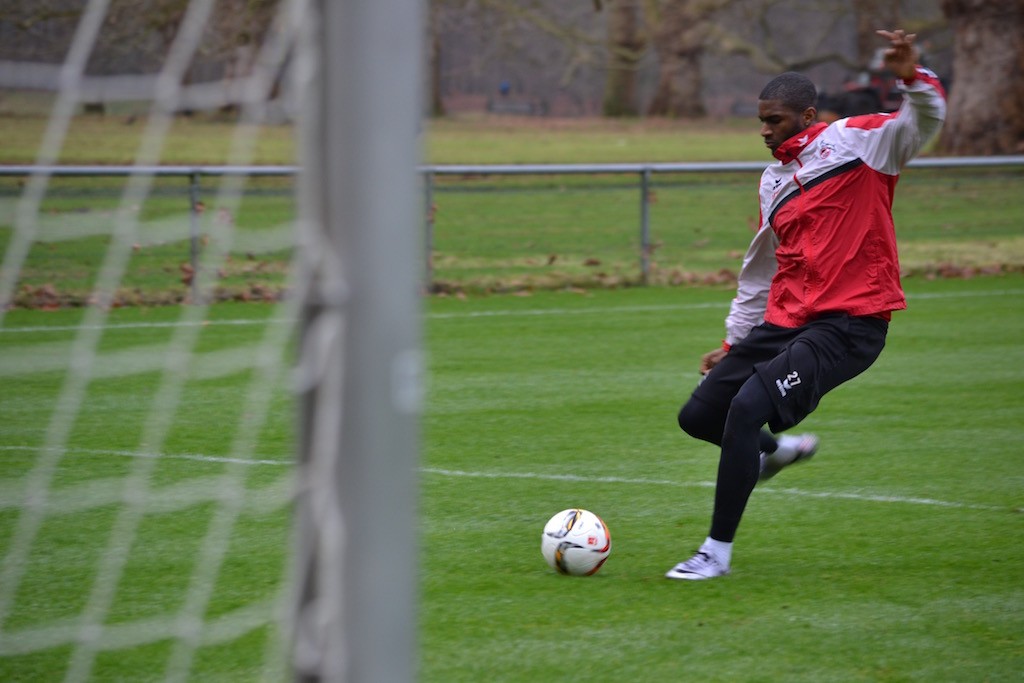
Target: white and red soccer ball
{"x": 576, "y": 542}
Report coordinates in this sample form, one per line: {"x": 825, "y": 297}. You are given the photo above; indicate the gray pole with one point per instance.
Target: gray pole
{"x": 359, "y": 373}
{"x": 645, "y": 225}
{"x": 428, "y": 199}
{"x": 193, "y": 250}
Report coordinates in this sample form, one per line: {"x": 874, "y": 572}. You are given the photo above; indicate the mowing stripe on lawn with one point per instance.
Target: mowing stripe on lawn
{"x": 140, "y": 454}
{"x": 874, "y": 498}
{"x": 149, "y": 325}
{"x": 502, "y": 313}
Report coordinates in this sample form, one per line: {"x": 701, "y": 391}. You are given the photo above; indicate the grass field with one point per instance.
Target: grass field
{"x": 893, "y": 556}
{"x": 501, "y": 234}
{"x": 490, "y": 233}
{"x": 467, "y": 140}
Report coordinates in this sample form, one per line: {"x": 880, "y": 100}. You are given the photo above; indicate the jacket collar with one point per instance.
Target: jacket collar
{"x": 791, "y": 148}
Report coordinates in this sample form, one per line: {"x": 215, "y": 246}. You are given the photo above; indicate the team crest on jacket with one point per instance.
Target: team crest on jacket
{"x": 826, "y": 150}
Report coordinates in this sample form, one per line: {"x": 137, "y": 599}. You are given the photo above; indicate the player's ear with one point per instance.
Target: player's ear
{"x": 809, "y": 116}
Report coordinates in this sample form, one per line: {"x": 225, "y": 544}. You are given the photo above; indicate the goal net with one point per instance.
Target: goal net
{"x": 209, "y": 351}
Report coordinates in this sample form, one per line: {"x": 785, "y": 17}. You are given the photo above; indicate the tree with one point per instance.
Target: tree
{"x": 39, "y": 31}
{"x": 773, "y": 42}
{"x": 986, "y": 102}
{"x": 626, "y": 45}
{"x": 435, "y": 98}
{"x": 520, "y": 53}
{"x": 134, "y": 39}
{"x": 678, "y": 29}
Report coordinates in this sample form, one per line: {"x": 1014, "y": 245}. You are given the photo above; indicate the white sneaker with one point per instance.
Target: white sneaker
{"x": 791, "y": 449}
{"x": 700, "y": 566}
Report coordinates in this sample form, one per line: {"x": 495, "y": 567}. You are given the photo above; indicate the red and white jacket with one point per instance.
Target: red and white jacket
{"x": 826, "y": 241}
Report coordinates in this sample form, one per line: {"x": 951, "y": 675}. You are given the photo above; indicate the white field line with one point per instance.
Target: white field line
{"x": 873, "y": 498}
{"x": 502, "y": 313}
{"x": 441, "y": 472}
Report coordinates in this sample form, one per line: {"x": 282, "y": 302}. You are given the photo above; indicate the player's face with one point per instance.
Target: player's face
{"x": 779, "y": 123}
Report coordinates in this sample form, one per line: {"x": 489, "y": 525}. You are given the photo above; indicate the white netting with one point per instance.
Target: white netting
{"x": 55, "y": 469}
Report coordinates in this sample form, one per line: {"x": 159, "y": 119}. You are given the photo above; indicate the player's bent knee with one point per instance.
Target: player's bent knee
{"x": 687, "y": 418}
{"x": 700, "y": 421}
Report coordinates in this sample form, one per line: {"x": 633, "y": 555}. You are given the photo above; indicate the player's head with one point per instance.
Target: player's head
{"x": 786, "y": 107}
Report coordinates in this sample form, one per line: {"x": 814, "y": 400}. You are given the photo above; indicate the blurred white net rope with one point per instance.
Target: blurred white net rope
{"x": 33, "y": 499}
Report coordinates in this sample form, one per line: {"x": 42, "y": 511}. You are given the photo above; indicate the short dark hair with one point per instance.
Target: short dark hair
{"x": 795, "y": 91}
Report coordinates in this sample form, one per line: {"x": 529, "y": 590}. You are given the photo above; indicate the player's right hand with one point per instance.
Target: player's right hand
{"x": 711, "y": 359}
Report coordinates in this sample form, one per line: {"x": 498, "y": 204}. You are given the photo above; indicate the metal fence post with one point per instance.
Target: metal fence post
{"x": 193, "y": 251}
{"x": 645, "y": 225}
{"x": 428, "y": 239}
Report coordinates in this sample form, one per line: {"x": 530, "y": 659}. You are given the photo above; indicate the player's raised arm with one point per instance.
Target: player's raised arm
{"x": 888, "y": 144}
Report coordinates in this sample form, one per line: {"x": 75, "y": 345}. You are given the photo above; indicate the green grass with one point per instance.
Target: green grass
{"x": 890, "y": 557}
{"x": 497, "y": 140}
{"x": 825, "y": 588}
{"x": 197, "y": 141}
{"x": 470, "y": 140}
{"x": 78, "y": 216}
{"x": 507, "y": 233}
{"x": 490, "y": 233}
{"x": 499, "y": 234}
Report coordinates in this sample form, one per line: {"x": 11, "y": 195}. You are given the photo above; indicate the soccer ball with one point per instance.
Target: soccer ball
{"x": 576, "y": 542}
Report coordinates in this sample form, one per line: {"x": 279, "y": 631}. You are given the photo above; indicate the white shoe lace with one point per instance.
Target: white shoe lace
{"x": 698, "y": 562}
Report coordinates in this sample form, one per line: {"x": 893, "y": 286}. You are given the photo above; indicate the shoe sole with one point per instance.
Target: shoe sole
{"x": 692, "y": 577}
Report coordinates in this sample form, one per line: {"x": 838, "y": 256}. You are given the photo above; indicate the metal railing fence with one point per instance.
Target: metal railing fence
{"x": 643, "y": 172}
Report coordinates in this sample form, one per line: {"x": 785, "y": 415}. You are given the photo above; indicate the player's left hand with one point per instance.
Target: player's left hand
{"x": 901, "y": 57}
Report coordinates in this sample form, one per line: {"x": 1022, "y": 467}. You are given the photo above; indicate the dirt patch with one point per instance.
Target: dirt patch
{"x": 50, "y": 297}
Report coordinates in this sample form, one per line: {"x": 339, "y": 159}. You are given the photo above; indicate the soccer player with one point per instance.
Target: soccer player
{"x": 817, "y": 287}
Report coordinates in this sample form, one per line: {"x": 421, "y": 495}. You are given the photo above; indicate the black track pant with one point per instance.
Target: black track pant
{"x": 775, "y": 376}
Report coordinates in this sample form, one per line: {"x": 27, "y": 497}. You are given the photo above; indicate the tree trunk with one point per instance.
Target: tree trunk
{"x": 625, "y": 47}
{"x": 986, "y": 102}
{"x": 678, "y": 93}
{"x": 677, "y": 29}
{"x": 435, "y": 97}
